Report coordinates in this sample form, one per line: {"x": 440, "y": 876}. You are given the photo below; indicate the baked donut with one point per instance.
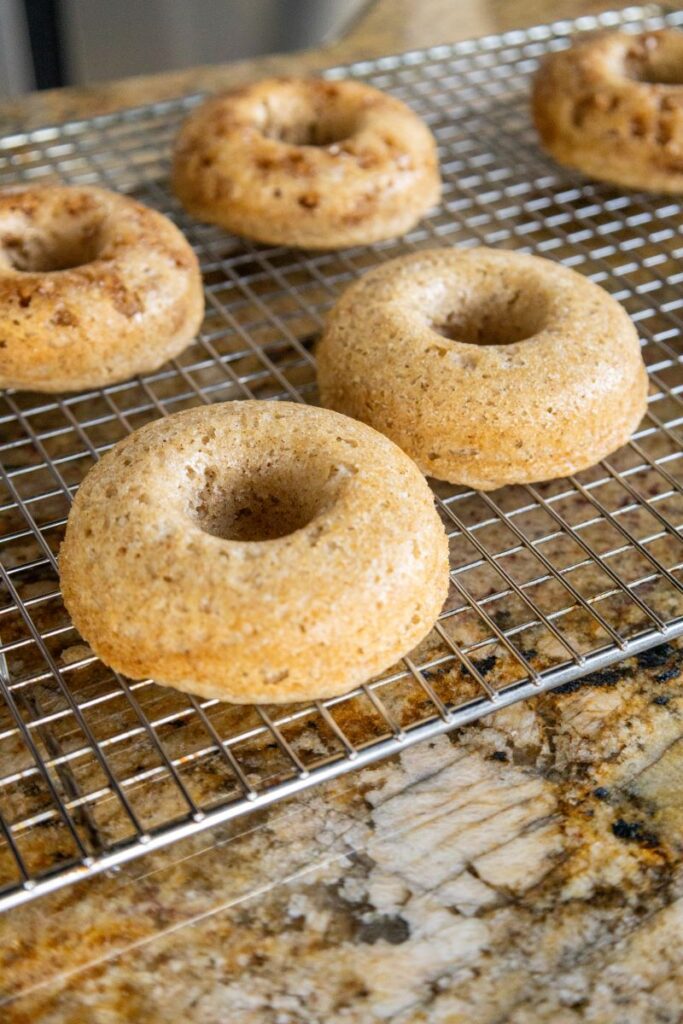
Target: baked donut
{"x": 94, "y": 287}
{"x": 254, "y": 551}
{"x": 488, "y": 367}
{"x": 307, "y": 162}
{"x": 612, "y": 107}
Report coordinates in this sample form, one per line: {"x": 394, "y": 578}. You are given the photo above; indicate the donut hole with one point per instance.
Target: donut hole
{"x": 324, "y": 132}
{"x": 264, "y": 503}
{"x": 296, "y": 124}
{"x": 43, "y": 252}
{"x": 501, "y": 318}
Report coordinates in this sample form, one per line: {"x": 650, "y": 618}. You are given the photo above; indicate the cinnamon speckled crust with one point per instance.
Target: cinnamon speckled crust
{"x": 612, "y": 107}
{"x": 568, "y": 388}
{"x": 94, "y": 287}
{"x": 356, "y": 579}
{"x": 308, "y": 163}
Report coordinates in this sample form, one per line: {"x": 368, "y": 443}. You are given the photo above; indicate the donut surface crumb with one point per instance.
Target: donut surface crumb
{"x": 254, "y": 551}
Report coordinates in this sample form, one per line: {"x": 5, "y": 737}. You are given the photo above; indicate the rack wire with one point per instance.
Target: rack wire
{"x": 548, "y": 582}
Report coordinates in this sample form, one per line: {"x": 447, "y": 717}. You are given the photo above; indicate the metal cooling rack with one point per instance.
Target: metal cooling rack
{"x": 548, "y": 582}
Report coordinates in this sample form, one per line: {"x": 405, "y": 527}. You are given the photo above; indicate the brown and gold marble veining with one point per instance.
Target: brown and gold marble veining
{"x": 525, "y": 869}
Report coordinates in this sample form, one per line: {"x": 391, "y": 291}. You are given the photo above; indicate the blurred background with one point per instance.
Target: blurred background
{"x": 49, "y": 43}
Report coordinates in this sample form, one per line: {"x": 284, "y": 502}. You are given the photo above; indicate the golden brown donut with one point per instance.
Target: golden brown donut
{"x": 488, "y": 367}
{"x": 307, "y": 162}
{"x": 612, "y": 107}
{"x": 254, "y": 551}
{"x": 94, "y": 287}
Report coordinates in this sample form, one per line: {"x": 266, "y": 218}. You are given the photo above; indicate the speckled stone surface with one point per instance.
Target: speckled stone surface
{"x": 525, "y": 869}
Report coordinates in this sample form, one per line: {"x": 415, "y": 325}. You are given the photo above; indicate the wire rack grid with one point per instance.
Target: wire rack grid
{"x": 548, "y": 582}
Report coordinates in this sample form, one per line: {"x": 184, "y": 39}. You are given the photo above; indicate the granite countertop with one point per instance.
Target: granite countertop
{"x": 525, "y": 869}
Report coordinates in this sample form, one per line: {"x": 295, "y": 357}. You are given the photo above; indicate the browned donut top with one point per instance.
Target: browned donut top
{"x": 254, "y": 551}
{"x": 307, "y": 159}
{"x": 94, "y": 286}
{"x": 486, "y": 366}
{"x": 612, "y": 105}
